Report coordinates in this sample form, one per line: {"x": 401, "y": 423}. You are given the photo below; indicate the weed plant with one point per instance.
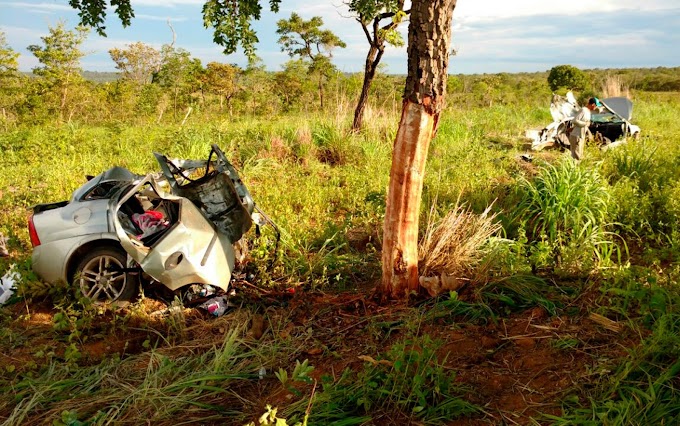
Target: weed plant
{"x": 410, "y": 383}
{"x": 519, "y": 292}
{"x": 199, "y": 385}
{"x": 565, "y": 211}
{"x": 644, "y": 388}
{"x": 449, "y": 309}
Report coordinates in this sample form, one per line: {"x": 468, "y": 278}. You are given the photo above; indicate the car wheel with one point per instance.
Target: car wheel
{"x": 101, "y": 276}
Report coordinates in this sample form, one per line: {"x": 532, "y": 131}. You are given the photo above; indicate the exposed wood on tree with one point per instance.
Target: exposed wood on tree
{"x": 428, "y": 56}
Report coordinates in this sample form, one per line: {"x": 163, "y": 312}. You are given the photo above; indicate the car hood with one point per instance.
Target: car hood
{"x": 566, "y": 107}
{"x": 621, "y": 106}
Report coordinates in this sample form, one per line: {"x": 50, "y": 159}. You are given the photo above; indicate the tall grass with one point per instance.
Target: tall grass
{"x": 565, "y": 210}
{"x": 564, "y": 199}
{"x": 199, "y": 384}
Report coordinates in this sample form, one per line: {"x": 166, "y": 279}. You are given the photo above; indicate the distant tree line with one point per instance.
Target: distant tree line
{"x": 167, "y": 84}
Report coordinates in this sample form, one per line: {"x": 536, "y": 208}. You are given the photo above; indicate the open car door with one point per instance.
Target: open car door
{"x": 215, "y": 187}
{"x": 170, "y": 238}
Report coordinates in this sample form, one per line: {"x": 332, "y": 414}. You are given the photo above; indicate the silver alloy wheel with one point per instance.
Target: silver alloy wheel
{"x": 103, "y": 278}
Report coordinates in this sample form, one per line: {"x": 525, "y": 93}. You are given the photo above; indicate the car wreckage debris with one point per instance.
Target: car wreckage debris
{"x": 149, "y": 222}
{"x": 3, "y": 246}
{"x": 8, "y": 283}
{"x": 609, "y": 126}
{"x": 216, "y": 306}
{"x": 120, "y": 230}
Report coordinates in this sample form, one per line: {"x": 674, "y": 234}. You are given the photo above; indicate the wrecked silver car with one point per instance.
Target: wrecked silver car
{"x": 609, "y": 126}
{"x": 177, "y": 228}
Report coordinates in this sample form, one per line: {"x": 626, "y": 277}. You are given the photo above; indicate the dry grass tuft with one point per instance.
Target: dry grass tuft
{"x": 453, "y": 246}
{"x": 614, "y": 86}
{"x": 302, "y": 148}
{"x": 304, "y": 135}
{"x": 279, "y": 149}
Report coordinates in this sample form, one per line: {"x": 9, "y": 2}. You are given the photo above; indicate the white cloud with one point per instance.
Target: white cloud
{"x": 166, "y": 3}
{"x": 39, "y": 7}
{"x": 494, "y": 9}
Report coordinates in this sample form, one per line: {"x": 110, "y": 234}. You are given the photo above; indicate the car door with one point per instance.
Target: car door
{"x": 188, "y": 249}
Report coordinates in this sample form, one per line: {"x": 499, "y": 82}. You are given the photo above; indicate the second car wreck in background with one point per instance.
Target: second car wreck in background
{"x": 610, "y": 125}
{"x": 178, "y": 229}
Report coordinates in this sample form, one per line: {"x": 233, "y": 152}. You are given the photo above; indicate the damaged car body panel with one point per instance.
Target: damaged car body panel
{"x": 61, "y": 231}
{"x": 613, "y": 122}
{"x": 187, "y": 250}
{"x": 178, "y": 227}
{"x": 609, "y": 126}
{"x": 219, "y": 192}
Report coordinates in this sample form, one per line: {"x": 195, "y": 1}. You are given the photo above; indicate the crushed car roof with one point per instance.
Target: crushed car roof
{"x": 114, "y": 174}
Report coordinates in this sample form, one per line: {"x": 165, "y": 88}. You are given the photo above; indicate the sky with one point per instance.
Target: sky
{"x": 489, "y": 36}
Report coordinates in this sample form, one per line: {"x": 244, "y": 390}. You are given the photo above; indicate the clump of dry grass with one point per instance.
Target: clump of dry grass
{"x": 614, "y": 86}
{"x": 280, "y": 151}
{"x": 302, "y": 148}
{"x": 453, "y": 246}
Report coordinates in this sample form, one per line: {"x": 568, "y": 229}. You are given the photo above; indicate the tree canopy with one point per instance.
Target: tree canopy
{"x": 138, "y": 62}
{"x": 566, "y": 77}
{"x": 311, "y": 43}
{"x": 230, "y": 20}
{"x": 9, "y": 63}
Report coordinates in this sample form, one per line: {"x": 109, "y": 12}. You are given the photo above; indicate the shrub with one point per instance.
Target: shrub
{"x": 567, "y": 77}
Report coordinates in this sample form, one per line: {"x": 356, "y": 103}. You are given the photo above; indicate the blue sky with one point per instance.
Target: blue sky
{"x": 490, "y": 36}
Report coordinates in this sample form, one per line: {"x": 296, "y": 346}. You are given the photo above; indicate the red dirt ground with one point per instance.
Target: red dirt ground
{"x": 516, "y": 368}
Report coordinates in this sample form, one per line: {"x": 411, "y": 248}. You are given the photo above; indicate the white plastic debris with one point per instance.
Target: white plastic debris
{"x": 8, "y": 283}
{"x": 3, "y": 246}
{"x": 216, "y": 306}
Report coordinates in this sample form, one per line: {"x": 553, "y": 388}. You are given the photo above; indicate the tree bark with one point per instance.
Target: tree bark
{"x": 372, "y": 61}
{"x": 429, "y": 44}
{"x": 320, "y": 87}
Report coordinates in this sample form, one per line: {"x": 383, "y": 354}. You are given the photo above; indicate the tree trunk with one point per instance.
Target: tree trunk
{"x": 62, "y": 104}
{"x": 321, "y": 92}
{"x": 372, "y": 61}
{"x": 429, "y": 43}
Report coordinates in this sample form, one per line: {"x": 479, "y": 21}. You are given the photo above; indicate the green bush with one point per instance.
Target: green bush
{"x": 563, "y": 200}
{"x": 567, "y": 77}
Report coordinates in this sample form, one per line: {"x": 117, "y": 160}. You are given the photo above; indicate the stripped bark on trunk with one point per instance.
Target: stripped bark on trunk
{"x": 429, "y": 42}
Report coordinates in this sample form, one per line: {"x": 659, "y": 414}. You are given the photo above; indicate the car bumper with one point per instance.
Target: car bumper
{"x": 49, "y": 260}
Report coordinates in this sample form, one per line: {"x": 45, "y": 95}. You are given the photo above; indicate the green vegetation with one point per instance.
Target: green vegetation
{"x": 566, "y": 77}
{"x": 566, "y": 312}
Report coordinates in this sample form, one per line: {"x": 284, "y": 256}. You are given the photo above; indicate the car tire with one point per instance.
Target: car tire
{"x": 101, "y": 276}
